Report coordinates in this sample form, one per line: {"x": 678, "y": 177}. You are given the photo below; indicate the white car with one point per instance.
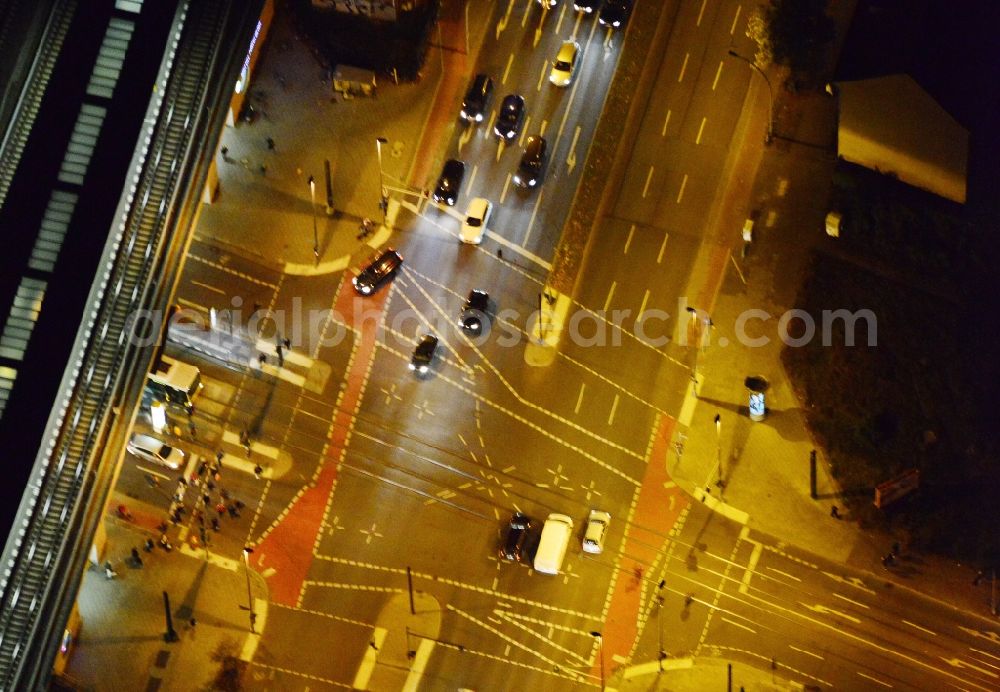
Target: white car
{"x": 597, "y": 530}
{"x": 476, "y": 220}
{"x": 565, "y": 65}
{"x": 149, "y": 448}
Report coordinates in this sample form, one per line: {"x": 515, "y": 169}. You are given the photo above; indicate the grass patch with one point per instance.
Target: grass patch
{"x": 920, "y": 396}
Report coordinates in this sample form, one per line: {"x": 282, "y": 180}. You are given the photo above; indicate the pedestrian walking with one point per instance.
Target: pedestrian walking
{"x": 149, "y": 545}
{"x": 270, "y": 144}
{"x": 164, "y": 543}
{"x": 257, "y": 470}
{"x": 109, "y": 571}
{"x": 835, "y": 512}
{"x": 218, "y": 457}
{"x": 287, "y": 343}
{"x": 215, "y": 524}
{"x": 281, "y": 357}
{"x": 225, "y": 154}
{"x": 221, "y": 508}
{"x": 263, "y": 359}
{"x": 192, "y": 622}
{"x": 233, "y": 512}
{"x": 499, "y": 253}
{"x": 136, "y": 560}
{"x": 978, "y": 578}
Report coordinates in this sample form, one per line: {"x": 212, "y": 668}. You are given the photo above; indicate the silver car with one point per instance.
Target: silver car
{"x": 597, "y": 531}
{"x": 148, "y": 448}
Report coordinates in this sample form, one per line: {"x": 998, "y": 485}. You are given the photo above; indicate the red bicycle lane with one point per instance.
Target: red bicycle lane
{"x": 659, "y": 505}
{"x": 286, "y": 551}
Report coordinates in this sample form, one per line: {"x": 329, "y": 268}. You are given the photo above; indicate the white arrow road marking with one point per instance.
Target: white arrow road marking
{"x": 571, "y": 159}
{"x": 829, "y": 611}
{"x": 958, "y": 663}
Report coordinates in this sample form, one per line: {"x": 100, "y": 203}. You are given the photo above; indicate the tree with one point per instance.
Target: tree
{"x": 793, "y": 33}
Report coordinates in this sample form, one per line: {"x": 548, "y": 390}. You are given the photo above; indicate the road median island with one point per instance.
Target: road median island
{"x": 648, "y": 32}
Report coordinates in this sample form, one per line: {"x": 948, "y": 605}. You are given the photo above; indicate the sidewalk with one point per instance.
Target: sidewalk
{"x": 128, "y": 637}
{"x": 765, "y": 465}
{"x": 699, "y": 674}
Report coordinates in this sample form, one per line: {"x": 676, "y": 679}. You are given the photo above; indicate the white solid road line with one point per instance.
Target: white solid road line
{"x": 915, "y": 626}
{"x": 649, "y": 178}
{"x": 614, "y": 407}
{"x": 367, "y": 666}
{"x": 663, "y": 246}
{"x": 701, "y": 129}
{"x": 718, "y": 73}
{"x": 851, "y": 601}
{"x": 701, "y": 12}
{"x": 424, "y": 650}
{"x": 579, "y": 399}
{"x": 628, "y": 240}
{"x": 740, "y": 625}
{"x": 680, "y": 77}
{"x": 531, "y": 219}
{"x": 803, "y": 651}
{"x": 736, "y": 18}
{"x": 206, "y": 286}
{"x": 680, "y": 193}
{"x": 666, "y": 121}
{"x": 611, "y": 292}
{"x": 472, "y": 178}
{"x": 751, "y": 566}
{"x": 869, "y": 677}
{"x": 506, "y": 71}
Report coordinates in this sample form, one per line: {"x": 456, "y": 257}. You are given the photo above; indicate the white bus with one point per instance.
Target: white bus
{"x": 174, "y": 382}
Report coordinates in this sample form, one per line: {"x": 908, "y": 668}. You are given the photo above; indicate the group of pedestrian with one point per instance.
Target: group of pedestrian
{"x": 224, "y": 151}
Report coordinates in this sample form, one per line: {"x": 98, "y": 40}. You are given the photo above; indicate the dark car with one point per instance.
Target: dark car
{"x": 615, "y": 13}
{"x": 381, "y": 267}
{"x": 423, "y": 354}
{"x": 510, "y": 117}
{"x": 449, "y": 182}
{"x": 531, "y": 170}
{"x": 477, "y": 98}
{"x": 512, "y": 549}
{"x": 588, "y": 6}
{"x": 475, "y": 311}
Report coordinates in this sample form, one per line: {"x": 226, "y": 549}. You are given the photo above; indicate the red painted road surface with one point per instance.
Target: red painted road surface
{"x": 288, "y": 547}
{"x": 654, "y": 517}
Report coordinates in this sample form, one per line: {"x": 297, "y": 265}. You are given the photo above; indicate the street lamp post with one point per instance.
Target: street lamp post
{"x": 600, "y": 645}
{"x": 383, "y": 198}
{"x": 246, "y": 563}
{"x": 700, "y": 340}
{"x": 770, "y": 94}
{"x": 312, "y": 197}
{"x": 718, "y": 449}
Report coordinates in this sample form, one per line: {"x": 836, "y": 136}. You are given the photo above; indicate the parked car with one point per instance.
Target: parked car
{"x": 512, "y": 549}
{"x": 597, "y": 530}
{"x": 564, "y": 66}
{"x": 510, "y": 117}
{"x": 615, "y": 13}
{"x": 423, "y": 354}
{"x": 587, "y": 6}
{"x": 531, "y": 169}
{"x": 449, "y": 182}
{"x": 379, "y": 268}
{"x": 149, "y": 448}
{"x": 475, "y": 311}
{"x": 476, "y": 218}
{"x": 477, "y": 98}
